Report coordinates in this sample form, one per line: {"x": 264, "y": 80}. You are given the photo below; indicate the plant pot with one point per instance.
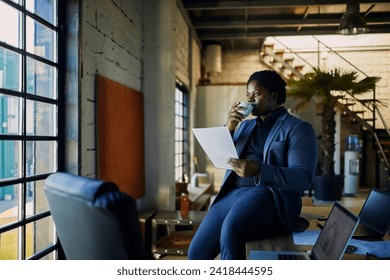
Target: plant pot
{"x": 328, "y": 188}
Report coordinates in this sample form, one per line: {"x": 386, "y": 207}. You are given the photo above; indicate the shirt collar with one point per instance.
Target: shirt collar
{"x": 272, "y": 118}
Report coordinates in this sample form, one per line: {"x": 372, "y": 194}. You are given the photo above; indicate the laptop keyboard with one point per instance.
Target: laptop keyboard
{"x": 362, "y": 230}
{"x": 291, "y": 257}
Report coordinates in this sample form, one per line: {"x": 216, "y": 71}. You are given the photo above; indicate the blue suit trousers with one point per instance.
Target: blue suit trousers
{"x": 242, "y": 214}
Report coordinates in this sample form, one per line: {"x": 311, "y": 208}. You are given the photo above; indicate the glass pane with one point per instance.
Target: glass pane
{"x": 41, "y": 40}
{"x": 41, "y": 118}
{"x": 9, "y": 17}
{"x": 176, "y": 94}
{"x": 9, "y": 245}
{"x": 177, "y": 107}
{"x": 41, "y": 157}
{"x": 10, "y": 108}
{"x": 177, "y": 133}
{"x": 10, "y": 69}
{"x": 45, "y": 9}
{"x": 177, "y": 119}
{"x": 41, "y": 79}
{"x": 39, "y": 235}
{"x": 10, "y": 160}
{"x": 36, "y": 198}
{"x": 9, "y": 201}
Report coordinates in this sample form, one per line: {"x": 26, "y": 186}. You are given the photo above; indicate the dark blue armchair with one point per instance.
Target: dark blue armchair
{"x": 94, "y": 220}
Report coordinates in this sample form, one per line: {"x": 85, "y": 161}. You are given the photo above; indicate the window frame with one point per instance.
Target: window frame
{"x": 23, "y": 179}
{"x": 182, "y": 168}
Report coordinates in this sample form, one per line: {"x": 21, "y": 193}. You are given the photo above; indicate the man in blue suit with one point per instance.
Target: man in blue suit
{"x": 261, "y": 193}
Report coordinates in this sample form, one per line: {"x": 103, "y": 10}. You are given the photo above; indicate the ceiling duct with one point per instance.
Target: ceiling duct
{"x": 213, "y": 59}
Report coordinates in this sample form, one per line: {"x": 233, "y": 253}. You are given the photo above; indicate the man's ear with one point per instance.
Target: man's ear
{"x": 275, "y": 95}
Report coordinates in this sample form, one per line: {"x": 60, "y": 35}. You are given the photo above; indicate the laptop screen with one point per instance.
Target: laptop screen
{"x": 375, "y": 213}
{"x": 334, "y": 237}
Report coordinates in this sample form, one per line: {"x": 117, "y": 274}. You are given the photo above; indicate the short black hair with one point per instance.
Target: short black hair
{"x": 272, "y": 81}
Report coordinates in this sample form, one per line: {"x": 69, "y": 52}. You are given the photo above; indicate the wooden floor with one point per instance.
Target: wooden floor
{"x": 353, "y": 203}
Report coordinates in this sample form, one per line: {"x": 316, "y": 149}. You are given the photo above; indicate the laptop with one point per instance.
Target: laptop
{"x": 330, "y": 244}
{"x": 374, "y": 216}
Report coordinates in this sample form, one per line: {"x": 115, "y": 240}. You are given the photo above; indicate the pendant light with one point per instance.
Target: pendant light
{"x": 352, "y": 23}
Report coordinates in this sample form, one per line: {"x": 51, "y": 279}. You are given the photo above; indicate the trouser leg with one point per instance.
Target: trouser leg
{"x": 205, "y": 243}
{"x": 251, "y": 215}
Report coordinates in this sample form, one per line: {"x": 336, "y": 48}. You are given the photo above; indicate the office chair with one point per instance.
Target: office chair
{"x": 94, "y": 220}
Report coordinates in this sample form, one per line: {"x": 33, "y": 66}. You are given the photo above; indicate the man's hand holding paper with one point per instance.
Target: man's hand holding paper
{"x": 217, "y": 144}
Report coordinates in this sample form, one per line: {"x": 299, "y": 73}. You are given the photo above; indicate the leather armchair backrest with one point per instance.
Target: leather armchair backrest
{"x": 94, "y": 220}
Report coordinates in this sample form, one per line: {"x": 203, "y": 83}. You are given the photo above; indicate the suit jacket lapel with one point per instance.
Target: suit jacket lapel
{"x": 278, "y": 124}
{"x": 245, "y": 133}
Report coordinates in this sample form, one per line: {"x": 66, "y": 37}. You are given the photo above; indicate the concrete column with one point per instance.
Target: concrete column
{"x": 159, "y": 91}
{"x": 71, "y": 125}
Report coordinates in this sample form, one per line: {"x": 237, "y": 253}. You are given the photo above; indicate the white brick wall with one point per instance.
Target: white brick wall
{"x": 187, "y": 57}
{"x": 111, "y": 46}
{"x": 196, "y": 62}
{"x": 182, "y": 48}
{"x": 237, "y": 66}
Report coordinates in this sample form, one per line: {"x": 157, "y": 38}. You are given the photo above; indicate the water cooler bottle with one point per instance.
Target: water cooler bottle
{"x": 351, "y": 165}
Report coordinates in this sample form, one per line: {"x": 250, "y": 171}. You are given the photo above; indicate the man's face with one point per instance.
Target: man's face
{"x": 263, "y": 101}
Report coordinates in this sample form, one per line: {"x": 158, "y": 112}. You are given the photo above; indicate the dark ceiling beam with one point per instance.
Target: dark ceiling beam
{"x": 220, "y": 5}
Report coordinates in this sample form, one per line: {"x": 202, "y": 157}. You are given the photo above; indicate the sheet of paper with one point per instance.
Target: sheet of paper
{"x": 217, "y": 144}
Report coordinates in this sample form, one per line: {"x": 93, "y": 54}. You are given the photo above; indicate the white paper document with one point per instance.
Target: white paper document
{"x": 217, "y": 144}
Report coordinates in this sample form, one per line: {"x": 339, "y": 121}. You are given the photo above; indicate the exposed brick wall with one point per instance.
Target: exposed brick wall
{"x": 196, "y": 62}
{"x": 182, "y": 48}
{"x": 111, "y": 46}
{"x": 237, "y": 66}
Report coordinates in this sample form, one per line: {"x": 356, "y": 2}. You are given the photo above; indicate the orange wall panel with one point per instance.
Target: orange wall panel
{"x": 120, "y": 136}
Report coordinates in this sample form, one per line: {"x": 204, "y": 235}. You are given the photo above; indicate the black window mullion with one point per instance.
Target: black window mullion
{"x": 32, "y": 178}
{"x": 41, "y": 21}
{"x": 29, "y": 96}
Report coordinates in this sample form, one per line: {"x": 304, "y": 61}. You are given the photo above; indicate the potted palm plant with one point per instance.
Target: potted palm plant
{"x": 327, "y": 88}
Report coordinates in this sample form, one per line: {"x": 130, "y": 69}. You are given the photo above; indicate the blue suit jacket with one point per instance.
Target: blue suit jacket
{"x": 290, "y": 158}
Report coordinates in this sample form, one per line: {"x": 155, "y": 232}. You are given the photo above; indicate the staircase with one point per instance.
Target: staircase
{"x": 362, "y": 112}
{"x": 382, "y": 137}
{"x": 366, "y": 114}
{"x": 282, "y": 64}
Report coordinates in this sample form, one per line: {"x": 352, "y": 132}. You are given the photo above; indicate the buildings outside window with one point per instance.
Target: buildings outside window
{"x": 28, "y": 126}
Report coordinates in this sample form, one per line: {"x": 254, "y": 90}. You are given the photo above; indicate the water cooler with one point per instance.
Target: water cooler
{"x": 351, "y": 165}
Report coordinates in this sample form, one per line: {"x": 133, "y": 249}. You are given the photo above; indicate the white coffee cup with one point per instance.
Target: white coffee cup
{"x": 246, "y": 108}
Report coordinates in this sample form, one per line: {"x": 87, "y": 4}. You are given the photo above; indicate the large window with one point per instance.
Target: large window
{"x": 181, "y": 133}
{"x": 28, "y": 126}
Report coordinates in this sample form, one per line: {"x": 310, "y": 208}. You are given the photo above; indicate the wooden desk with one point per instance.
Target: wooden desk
{"x": 285, "y": 242}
